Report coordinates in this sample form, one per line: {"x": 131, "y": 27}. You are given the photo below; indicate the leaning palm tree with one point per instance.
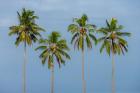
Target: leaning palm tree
{"x": 113, "y": 42}
{"x": 82, "y": 33}
{"x": 27, "y": 31}
{"x": 53, "y": 48}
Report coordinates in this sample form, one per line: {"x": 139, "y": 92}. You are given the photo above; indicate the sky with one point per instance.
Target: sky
{"x": 56, "y": 15}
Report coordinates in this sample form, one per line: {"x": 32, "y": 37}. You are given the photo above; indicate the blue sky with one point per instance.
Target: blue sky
{"x": 56, "y": 15}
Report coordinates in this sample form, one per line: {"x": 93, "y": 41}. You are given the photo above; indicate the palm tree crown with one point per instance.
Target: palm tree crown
{"x": 27, "y": 30}
{"x": 82, "y": 32}
{"x": 53, "y": 48}
{"x": 112, "y": 39}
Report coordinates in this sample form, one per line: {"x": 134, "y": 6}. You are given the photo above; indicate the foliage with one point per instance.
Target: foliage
{"x": 53, "y": 48}
{"x": 27, "y": 30}
{"x": 112, "y": 39}
{"x": 82, "y": 32}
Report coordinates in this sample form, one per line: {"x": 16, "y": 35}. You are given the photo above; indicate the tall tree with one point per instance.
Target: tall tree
{"x": 53, "y": 48}
{"x": 27, "y": 32}
{"x": 114, "y": 43}
{"x": 82, "y": 34}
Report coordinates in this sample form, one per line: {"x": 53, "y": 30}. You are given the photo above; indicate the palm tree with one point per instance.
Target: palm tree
{"x": 53, "y": 48}
{"x": 82, "y": 33}
{"x": 27, "y": 31}
{"x": 113, "y": 42}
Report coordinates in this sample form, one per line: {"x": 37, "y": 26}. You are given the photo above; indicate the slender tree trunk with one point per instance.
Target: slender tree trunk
{"x": 52, "y": 79}
{"x": 113, "y": 74}
{"x": 83, "y": 74}
{"x": 24, "y": 68}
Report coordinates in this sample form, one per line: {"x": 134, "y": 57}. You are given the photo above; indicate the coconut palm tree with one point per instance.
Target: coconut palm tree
{"x": 53, "y": 48}
{"x": 113, "y": 42}
{"x": 27, "y": 32}
{"x": 82, "y": 34}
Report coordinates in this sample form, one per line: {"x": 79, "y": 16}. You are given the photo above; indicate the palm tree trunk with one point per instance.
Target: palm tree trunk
{"x": 52, "y": 79}
{"x": 24, "y": 68}
{"x": 113, "y": 74}
{"x": 83, "y": 74}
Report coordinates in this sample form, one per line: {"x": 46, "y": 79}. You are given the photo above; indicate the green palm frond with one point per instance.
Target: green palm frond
{"x": 125, "y": 48}
{"x": 64, "y": 53}
{"x": 45, "y": 53}
{"x": 84, "y": 17}
{"x": 112, "y": 39}
{"x": 41, "y": 48}
{"x": 43, "y": 60}
{"x": 102, "y": 47}
{"x": 121, "y": 40}
{"x": 18, "y": 40}
{"x": 108, "y": 47}
{"x": 74, "y": 37}
{"x": 53, "y": 48}
{"x": 83, "y": 20}
{"x": 59, "y": 58}
{"x": 50, "y": 61}
{"x": 43, "y": 41}
{"x": 76, "y": 43}
{"x": 108, "y": 24}
{"x": 101, "y": 39}
{"x": 93, "y": 38}
{"x": 88, "y": 41}
{"x": 73, "y": 28}
{"x": 13, "y": 30}
{"x": 62, "y": 44}
{"x": 103, "y": 30}
{"x": 123, "y": 34}
{"x": 118, "y": 49}
{"x": 119, "y": 28}
{"x": 82, "y": 32}
{"x": 81, "y": 43}
{"x": 54, "y": 37}
{"x": 90, "y": 27}
{"x": 27, "y": 30}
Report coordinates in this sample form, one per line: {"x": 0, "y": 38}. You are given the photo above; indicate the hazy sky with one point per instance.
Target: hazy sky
{"x": 56, "y": 15}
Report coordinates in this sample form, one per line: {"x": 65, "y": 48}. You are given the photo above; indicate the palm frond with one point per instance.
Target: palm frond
{"x": 108, "y": 24}
{"x": 93, "y": 38}
{"x": 112, "y": 38}
{"x": 81, "y": 43}
{"x": 41, "y": 48}
{"x": 102, "y": 47}
{"x": 18, "y": 40}
{"x": 108, "y": 47}
{"x": 90, "y": 27}
{"x": 88, "y": 42}
{"x": 13, "y": 30}
{"x": 73, "y": 28}
{"x": 53, "y": 37}
{"x": 63, "y": 53}
{"x": 27, "y": 30}
{"x": 101, "y": 39}
{"x": 74, "y": 37}
{"x": 103, "y": 31}
{"x": 53, "y": 48}
{"x": 50, "y": 61}
{"x": 123, "y": 34}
